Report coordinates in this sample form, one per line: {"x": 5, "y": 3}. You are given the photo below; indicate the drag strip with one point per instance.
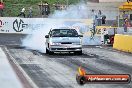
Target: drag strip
{"x": 59, "y": 70}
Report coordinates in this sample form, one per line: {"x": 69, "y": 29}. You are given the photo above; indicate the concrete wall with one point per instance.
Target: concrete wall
{"x": 123, "y": 42}
{"x": 27, "y": 25}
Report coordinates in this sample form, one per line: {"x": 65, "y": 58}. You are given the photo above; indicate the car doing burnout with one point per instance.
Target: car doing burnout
{"x": 63, "y": 40}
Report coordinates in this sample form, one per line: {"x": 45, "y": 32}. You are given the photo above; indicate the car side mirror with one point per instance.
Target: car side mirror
{"x": 80, "y": 35}
{"x": 47, "y": 36}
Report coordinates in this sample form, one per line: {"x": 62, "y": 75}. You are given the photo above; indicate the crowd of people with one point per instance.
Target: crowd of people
{"x": 45, "y": 10}
{"x": 98, "y": 20}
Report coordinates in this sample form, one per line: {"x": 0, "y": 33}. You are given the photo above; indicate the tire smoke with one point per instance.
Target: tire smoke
{"x": 36, "y": 39}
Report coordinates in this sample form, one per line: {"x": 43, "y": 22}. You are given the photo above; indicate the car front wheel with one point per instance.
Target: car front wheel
{"x": 51, "y": 53}
{"x": 47, "y": 51}
{"x": 78, "y": 52}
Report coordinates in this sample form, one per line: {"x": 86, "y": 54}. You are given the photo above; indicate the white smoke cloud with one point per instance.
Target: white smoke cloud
{"x": 36, "y": 40}
{"x": 79, "y": 11}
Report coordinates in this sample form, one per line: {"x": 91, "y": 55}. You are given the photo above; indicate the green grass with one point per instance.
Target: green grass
{"x": 13, "y": 7}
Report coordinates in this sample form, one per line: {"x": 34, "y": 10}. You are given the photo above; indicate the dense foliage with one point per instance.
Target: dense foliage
{"x": 13, "y": 7}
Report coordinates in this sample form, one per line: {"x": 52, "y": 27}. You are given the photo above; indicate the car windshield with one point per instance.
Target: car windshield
{"x": 64, "y": 33}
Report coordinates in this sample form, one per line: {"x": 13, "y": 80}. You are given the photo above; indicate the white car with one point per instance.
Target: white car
{"x": 63, "y": 40}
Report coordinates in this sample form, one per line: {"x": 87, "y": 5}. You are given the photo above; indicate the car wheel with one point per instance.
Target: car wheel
{"x": 78, "y": 52}
{"x": 51, "y": 53}
{"x": 47, "y": 51}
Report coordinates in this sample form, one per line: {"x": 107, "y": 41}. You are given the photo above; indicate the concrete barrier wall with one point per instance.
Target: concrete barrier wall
{"x": 123, "y": 42}
{"x": 27, "y": 25}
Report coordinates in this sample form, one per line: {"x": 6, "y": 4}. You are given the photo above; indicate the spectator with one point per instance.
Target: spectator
{"x": 125, "y": 21}
{"x": 99, "y": 18}
{"x": 22, "y": 13}
{"x": 94, "y": 17}
{"x": 125, "y": 16}
{"x": 1, "y": 8}
{"x": 30, "y": 14}
{"x": 45, "y": 9}
{"x": 106, "y": 36}
{"x": 103, "y": 19}
{"x": 125, "y": 25}
{"x": 57, "y": 6}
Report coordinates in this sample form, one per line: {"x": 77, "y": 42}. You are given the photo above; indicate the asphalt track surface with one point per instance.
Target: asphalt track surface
{"x": 11, "y": 39}
{"x": 59, "y": 70}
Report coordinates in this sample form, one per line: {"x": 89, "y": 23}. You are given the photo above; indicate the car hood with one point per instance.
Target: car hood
{"x": 65, "y": 39}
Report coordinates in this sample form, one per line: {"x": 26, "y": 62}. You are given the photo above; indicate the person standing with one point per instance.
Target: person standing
{"x": 30, "y": 14}
{"x": 99, "y": 18}
{"x": 45, "y": 9}
{"x": 94, "y": 18}
{"x": 125, "y": 21}
{"x": 125, "y": 25}
{"x": 106, "y": 36}
{"x": 1, "y": 8}
{"x": 103, "y": 20}
{"x": 22, "y": 13}
{"x": 125, "y": 16}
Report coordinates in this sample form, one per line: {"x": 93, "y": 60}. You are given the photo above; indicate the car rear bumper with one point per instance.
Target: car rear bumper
{"x": 64, "y": 48}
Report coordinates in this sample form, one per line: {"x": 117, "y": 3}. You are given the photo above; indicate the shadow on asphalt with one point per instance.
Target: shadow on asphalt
{"x": 55, "y": 55}
{"x": 61, "y": 55}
